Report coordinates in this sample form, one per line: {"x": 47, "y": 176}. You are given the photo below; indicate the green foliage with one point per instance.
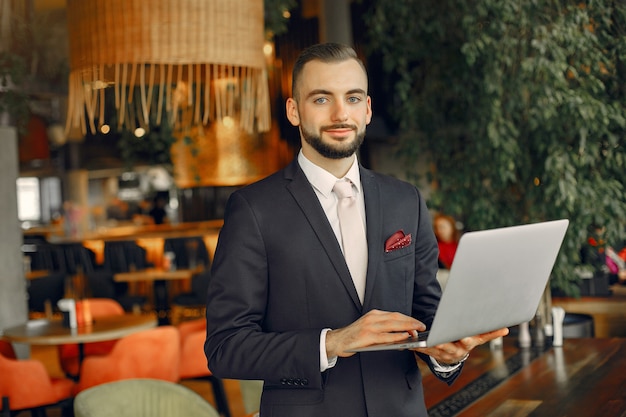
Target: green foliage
{"x": 519, "y": 107}
{"x": 152, "y": 148}
{"x": 275, "y": 20}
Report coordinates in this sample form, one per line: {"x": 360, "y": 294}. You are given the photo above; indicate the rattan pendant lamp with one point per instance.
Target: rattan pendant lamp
{"x": 166, "y": 57}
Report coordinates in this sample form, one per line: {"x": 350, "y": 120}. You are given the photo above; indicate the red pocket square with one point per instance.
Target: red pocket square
{"x": 397, "y": 241}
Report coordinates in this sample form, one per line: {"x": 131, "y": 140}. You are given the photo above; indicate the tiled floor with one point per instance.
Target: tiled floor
{"x": 48, "y": 355}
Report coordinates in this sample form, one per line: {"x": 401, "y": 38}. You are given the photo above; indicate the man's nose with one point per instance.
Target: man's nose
{"x": 340, "y": 113}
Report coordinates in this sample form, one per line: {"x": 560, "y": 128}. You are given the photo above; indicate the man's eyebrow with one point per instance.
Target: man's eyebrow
{"x": 321, "y": 91}
{"x": 357, "y": 91}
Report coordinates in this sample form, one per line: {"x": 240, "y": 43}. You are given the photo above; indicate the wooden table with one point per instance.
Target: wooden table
{"x": 159, "y": 278}
{"x": 53, "y": 332}
{"x": 609, "y": 313}
{"x": 585, "y": 377}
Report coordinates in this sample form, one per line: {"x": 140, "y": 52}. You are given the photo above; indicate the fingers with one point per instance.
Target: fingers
{"x": 374, "y": 327}
{"x": 455, "y": 351}
{"x": 472, "y": 342}
{"x": 446, "y": 353}
{"x": 384, "y": 321}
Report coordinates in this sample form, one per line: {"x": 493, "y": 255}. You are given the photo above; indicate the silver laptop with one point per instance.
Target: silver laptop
{"x": 496, "y": 281}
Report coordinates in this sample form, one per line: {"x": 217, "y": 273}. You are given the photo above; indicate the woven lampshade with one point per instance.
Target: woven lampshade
{"x": 165, "y": 56}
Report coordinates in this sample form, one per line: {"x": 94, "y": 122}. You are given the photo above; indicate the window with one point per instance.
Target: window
{"x": 28, "y": 199}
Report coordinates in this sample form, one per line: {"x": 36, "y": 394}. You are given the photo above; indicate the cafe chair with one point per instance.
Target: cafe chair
{"x": 153, "y": 353}
{"x": 45, "y": 256}
{"x": 79, "y": 259}
{"x": 190, "y": 252}
{"x": 192, "y": 304}
{"x": 68, "y": 354}
{"x": 124, "y": 255}
{"x": 193, "y": 363}
{"x": 251, "y": 391}
{"x": 119, "y": 256}
{"x": 45, "y": 292}
{"x": 25, "y": 385}
{"x": 141, "y": 398}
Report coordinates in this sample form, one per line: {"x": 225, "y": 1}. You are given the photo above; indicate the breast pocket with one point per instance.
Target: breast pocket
{"x": 398, "y": 253}
{"x": 394, "y": 282}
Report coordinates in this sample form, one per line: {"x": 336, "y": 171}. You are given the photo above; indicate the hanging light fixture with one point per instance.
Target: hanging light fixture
{"x": 163, "y": 57}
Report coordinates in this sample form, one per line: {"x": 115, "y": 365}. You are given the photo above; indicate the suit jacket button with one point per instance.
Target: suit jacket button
{"x": 283, "y": 381}
{"x": 305, "y": 381}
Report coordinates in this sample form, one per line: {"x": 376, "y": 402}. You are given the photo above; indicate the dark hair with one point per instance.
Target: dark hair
{"x": 324, "y": 52}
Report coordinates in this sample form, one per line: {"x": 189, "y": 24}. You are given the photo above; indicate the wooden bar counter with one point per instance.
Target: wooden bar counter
{"x": 609, "y": 313}
{"x": 150, "y": 237}
{"x": 584, "y": 377}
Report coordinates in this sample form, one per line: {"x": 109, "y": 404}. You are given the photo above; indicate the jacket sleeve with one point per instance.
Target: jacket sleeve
{"x": 238, "y": 344}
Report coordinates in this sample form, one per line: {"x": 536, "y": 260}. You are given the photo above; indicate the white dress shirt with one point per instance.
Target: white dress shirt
{"x": 323, "y": 183}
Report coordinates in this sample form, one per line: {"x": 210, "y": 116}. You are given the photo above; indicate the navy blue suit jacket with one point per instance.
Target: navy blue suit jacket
{"x": 279, "y": 278}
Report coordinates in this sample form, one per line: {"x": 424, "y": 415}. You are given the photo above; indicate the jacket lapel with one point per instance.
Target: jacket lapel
{"x": 374, "y": 221}
{"x": 305, "y": 197}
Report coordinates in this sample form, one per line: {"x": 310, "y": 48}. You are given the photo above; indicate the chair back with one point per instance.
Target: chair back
{"x": 193, "y": 362}
{"x": 79, "y": 257}
{"x": 46, "y": 290}
{"x": 69, "y": 354}
{"x": 153, "y": 353}
{"x": 27, "y": 385}
{"x": 45, "y": 256}
{"x": 122, "y": 256}
{"x": 119, "y": 256}
{"x": 189, "y": 251}
{"x": 141, "y": 398}
{"x": 102, "y": 307}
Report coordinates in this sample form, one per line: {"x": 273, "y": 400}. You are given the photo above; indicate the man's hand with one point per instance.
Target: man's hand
{"x": 451, "y": 353}
{"x": 374, "y": 327}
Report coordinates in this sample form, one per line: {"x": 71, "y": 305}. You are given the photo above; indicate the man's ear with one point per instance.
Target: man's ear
{"x": 291, "y": 108}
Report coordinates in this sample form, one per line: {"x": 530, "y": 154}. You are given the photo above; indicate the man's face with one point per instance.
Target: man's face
{"x": 332, "y": 108}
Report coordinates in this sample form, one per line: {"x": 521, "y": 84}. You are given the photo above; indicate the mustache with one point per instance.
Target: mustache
{"x": 339, "y": 126}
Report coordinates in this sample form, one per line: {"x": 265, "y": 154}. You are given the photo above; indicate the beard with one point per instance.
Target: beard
{"x": 333, "y": 150}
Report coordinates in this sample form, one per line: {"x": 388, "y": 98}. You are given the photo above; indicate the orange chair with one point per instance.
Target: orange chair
{"x": 153, "y": 353}
{"x": 6, "y": 349}
{"x": 69, "y": 354}
{"x": 26, "y": 385}
{"x": 193, "y": 363}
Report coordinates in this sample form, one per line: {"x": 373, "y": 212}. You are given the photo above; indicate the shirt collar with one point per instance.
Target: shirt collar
{"x": 322, "y": 180}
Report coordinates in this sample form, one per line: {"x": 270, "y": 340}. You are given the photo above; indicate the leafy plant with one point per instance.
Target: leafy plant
{"x": 518, "y": 108}
{"x": 275, "y": 16}
{"x": 154, "y": 146}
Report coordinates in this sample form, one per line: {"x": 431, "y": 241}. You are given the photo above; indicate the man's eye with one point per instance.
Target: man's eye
{"x": 354, "y": 99}
{"x": 321, "y": 100}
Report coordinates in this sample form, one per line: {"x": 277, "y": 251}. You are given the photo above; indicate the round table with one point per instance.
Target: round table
{"x": 53, "y": 332}
{"x": 159, "y": 278}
